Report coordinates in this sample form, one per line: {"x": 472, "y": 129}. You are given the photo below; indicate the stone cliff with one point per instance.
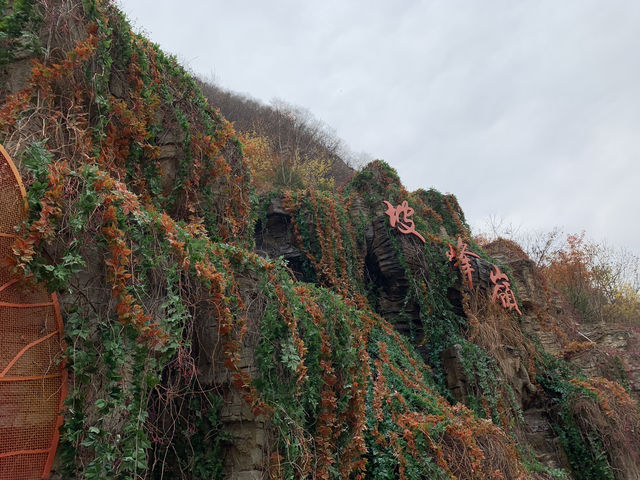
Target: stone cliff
{"x": 215, "y": 333}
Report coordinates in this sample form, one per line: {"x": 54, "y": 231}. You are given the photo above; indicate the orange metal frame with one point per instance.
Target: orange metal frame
{"x": 58, "y": 332}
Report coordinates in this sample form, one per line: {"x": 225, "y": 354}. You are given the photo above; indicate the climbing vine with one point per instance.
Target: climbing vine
{"x": 141, "y": 214}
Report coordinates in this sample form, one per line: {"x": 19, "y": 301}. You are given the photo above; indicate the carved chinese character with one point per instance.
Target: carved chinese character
{"x": 502, "y": 292}
{"x": 399, "y": 218}
{"x": 462, "y": 255}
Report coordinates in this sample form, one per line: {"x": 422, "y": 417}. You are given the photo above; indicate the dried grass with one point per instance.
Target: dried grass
{"x": 615, "y": 416}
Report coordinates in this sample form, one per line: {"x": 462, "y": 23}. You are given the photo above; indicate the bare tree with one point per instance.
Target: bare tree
{"x": 296, "y": 134}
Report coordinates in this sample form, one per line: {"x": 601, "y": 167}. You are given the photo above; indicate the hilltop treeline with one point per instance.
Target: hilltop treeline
{"x": 285, "y": 145}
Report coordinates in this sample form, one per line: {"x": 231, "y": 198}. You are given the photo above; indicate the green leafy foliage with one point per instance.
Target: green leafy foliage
{"x": 144, "y": 249}
{"x": 585, "y": 450}
{"x": 19, "y": 20}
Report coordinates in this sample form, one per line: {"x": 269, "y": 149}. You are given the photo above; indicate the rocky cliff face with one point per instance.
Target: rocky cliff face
{"x": 296, "y": 336}
{"x": 547, "y": 325}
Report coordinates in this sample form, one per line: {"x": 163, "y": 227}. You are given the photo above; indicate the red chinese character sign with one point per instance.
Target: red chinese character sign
{"x": 462, "y": 256}
{"x": 502, "y": 292}
{"x": 400, "y": 219}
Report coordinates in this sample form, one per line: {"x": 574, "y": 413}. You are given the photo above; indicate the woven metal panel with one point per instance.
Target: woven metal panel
{"x": 32, "y": 375}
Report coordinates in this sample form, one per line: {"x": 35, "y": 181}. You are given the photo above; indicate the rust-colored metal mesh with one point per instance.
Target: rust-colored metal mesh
{"x": 32, "y": 377}
{"x": 12, "y": 194}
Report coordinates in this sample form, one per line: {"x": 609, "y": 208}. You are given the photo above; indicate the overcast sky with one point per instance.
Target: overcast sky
{"x": 528, "y": 111}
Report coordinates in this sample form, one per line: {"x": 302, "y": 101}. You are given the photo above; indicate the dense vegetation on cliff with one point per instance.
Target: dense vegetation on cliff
{"x": 346, "y": 349}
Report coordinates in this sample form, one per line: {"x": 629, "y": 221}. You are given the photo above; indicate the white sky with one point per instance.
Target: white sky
{"x": 528, "y": 111}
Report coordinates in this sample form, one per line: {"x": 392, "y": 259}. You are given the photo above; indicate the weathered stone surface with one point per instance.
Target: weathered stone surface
{"x": 456, "y": 376}
{"x": 516, "y": 372}
{"x": 540, "y": 311}
{"x": 275, "y": 238}
{"x": 615, "y": 354}
{"x": 385, "y": 273}
{"x": 542, "y": 439}
{"x": 247, "y": 475}
{"x": 247, "y": 446}
{"x": 18, "y": 74}
{"x": 244, "y": 458}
